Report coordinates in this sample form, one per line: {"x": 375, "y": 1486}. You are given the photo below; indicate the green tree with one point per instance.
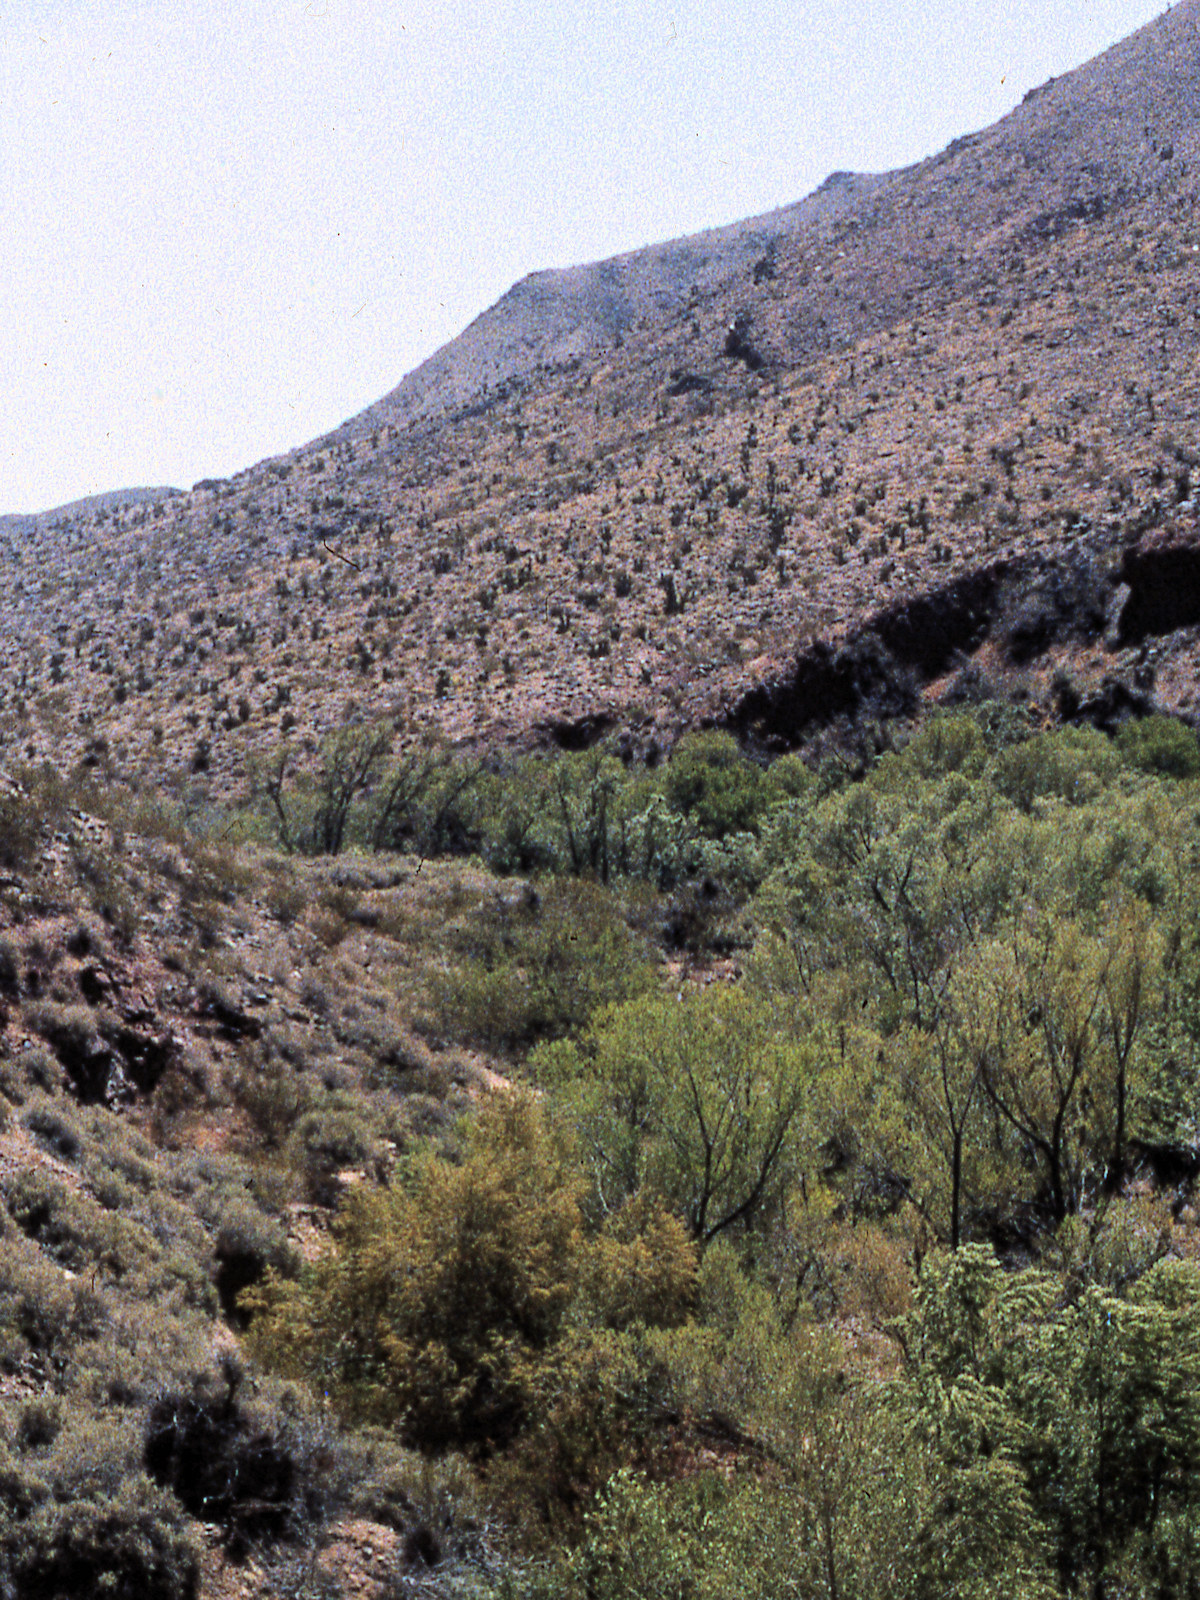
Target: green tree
{"x": 698, "y": 1096}
{"x": 980, "y": 1534}
{"x": 311, "y": 811}
{"x": 438, "y": 1293}
{"x": 444, "y": 1302}
{"x": 1108, "y": 1390}
{"x": 350, "y": 762}
{"x": 1070, "y": 1007}
{"x": 1160, "y": 744}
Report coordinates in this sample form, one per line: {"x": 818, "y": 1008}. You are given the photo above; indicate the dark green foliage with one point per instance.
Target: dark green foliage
{"x": 540, "y": 964}
{"x": 711, "y": 783}
{"x": 21, "y": 831}
{"x": 1082, "y": 1416}
{"x": 337, "y": 1134}
{"x": 1160, "y": 744}
{"x": 130, "y": 1543}
{"x": 1073, "y": 764}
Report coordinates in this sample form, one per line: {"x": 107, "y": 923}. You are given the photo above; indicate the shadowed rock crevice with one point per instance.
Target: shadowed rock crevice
{"x": 580, "y": 734}
{"x": 1164, "y": 590}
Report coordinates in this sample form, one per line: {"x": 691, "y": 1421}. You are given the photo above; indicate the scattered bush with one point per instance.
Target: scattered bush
{"x": 715, "y": 786}
{"x": 546, "y": 963}
{"x": 74, "y": 1036}
{"x": 129, "y": 1542}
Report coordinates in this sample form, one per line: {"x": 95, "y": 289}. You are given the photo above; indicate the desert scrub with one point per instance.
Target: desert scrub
{"x": 43, "y": 1313}
{"x": 285, "y": 892}
{"x": 77, "y": 1233}
{"x": 254, "y": 1457}
{"x": 539, "y": 965}
{"x": 29, "y": 1070}
{"x": 70, "y": 1030}
{"x": 273, "y": 1094}
{"x": 10, "y": 965}
{"x": 83, "y": 1518}
{"x": 101, "y": 876}
{"x": 22, "y": 826}
{"x": 342, "y": 1133}
{"x": 57, "y": 1127}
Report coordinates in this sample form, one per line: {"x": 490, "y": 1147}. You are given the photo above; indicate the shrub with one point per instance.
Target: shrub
{"x": 1072, "y": 764}
{"x": 42, "y": 1313}
{"x": 258, "y": 1463}
{"x": 72, "y": 1033}
{"x": 128, "y": 1543}
{"x": 109, "y": 893}
{"x": 20, "y": 832}
{"x": 546, "y": 964}
{"x": 340, "y": 1134}
{"x": 10, "y": 965}
{"x": 712, "y": 783}
{"x": 56, "y": 1128}
{"x": 79, "y": 1234}
{"x": 248, "y": 1242}
{"x": 1160, "y": 744}
{"x": 438, "y": 1295}
{"x": 273, "y": 1096}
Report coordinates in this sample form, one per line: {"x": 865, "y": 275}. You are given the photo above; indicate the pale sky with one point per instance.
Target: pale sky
{"x": 224, "y": 229}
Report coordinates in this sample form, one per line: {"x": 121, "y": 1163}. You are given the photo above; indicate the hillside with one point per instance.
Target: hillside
{"x": 931, "y": 422}
{"x": 444, "y": 1156}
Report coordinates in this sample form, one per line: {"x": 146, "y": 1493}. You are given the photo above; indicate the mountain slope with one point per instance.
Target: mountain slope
{"x": 927, "y": 433}
{"x": 551, "y": 318}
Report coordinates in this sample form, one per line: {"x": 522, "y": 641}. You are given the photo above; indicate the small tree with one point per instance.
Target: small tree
{"x": 437, "y": 1295}
{"x": 351, "y": 760}
{"x": 315, "y": 818}
{"x": 699, "y": 1097}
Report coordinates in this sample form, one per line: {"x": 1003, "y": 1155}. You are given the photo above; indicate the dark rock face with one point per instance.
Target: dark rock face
{"x": 217, "y": 1005}
{"x": 1049, "y": 601}
{"x": 581, "y": 734}
{"x": 689, "y": 383}
{"x": 738, "y": 345}
{"x": 145, "y": 1052}
{"x": 1111, "y": 705}
{"x": 928, "y": 632}
{"x": 1163, "y": 579}
{"x": 861, "y": 679}
{"x": 1026, "y": 603}
{"x": 1053, "y": 224}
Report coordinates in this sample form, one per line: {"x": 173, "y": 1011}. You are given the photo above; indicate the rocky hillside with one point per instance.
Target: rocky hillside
{"x": 921, "y": 434}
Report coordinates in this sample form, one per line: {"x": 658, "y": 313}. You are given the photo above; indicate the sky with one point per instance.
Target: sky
{"x": 226, "y": 229}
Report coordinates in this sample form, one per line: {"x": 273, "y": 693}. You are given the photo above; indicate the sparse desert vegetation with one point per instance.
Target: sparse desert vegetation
{"x": 599, "y": 970}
